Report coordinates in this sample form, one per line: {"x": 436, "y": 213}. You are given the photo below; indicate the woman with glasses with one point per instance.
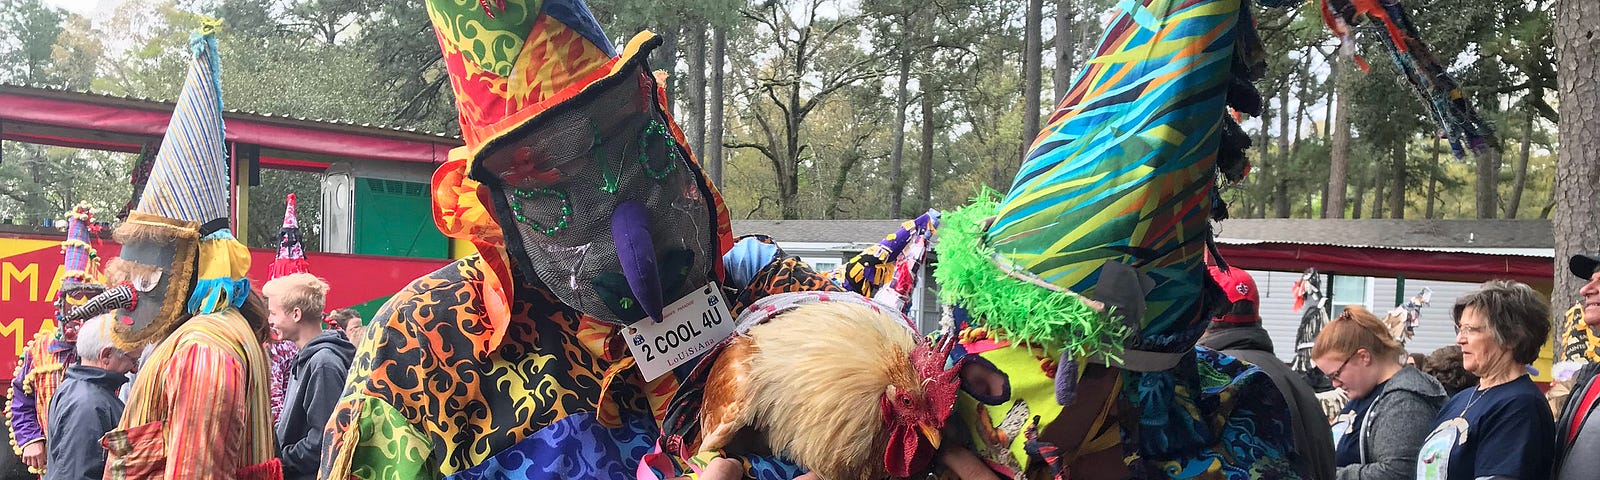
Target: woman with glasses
{"x": 1357, "y": 354}
{"x": 1502, "y": 429}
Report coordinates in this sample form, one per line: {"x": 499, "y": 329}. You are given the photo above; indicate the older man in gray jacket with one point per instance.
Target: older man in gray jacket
{"x": 86, "y": 406}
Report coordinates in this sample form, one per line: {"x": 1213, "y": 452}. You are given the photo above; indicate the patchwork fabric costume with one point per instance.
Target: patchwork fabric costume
{"x": 47, "y": 355}
{"x": 198, "y": 408}
{"x": 588, "y": 214}
{"x": 892, "y": 264}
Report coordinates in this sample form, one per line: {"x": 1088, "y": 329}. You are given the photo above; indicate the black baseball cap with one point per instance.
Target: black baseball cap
{"x": 1583, "y": 265}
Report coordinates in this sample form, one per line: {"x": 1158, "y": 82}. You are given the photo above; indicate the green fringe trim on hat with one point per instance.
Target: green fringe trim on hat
{"x": 1021, "y": 311}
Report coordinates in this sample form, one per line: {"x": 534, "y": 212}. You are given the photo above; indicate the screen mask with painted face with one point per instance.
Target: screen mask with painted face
{"x": 158, "y": 256}
{"x": 144, "y": 266}
{"x": 74, "y": 296}
{"x": 609, "y": 213}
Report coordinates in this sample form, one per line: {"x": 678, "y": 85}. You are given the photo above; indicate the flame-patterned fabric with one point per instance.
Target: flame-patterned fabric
{"x": 509, "y": 61}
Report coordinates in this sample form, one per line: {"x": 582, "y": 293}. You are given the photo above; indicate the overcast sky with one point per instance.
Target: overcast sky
{"x": 89, "y": 8}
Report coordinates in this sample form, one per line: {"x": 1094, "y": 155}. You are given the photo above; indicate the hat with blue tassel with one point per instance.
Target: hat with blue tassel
{"x": 178, "y": 236}
{"x": 190, "y": 181}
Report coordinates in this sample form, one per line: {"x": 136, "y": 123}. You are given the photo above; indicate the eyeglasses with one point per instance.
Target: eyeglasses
{"x": 1334, "y": 375}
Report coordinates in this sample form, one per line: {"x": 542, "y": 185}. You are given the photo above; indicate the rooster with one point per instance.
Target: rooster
{"x": 832, "y": 382}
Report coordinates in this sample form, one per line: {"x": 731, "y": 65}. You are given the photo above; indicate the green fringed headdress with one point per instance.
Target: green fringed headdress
{"x": 1011, "y": 301}
{"x": 1126, "y": 172}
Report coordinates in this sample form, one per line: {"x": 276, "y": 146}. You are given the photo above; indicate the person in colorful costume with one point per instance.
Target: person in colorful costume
{"x": 50, "y": 352}
{"x": 291, "y": 259}
{"x": 1085, "y": 285}
{"x": 588, "y": 214}
{"x": 198, "y": 407}
{"x": 1081, "y": 295}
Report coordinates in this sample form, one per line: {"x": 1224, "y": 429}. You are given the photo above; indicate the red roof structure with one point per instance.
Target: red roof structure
{"x": 1410, "y": 262}
{"x": 49, "y": 116}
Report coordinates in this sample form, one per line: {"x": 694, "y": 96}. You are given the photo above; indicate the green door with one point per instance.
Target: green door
{"x": 394, "y": 218}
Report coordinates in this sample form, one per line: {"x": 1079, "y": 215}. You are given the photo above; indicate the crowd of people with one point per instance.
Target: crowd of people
{"x": 610, "y": 325}
{"x": 1465, "y": 411}
{"x": 87, "y": 404}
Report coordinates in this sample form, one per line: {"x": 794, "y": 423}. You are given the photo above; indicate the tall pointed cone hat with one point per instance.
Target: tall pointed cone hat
{"x": 1097, "y": 251}
{"x": 189, "y": 179}
{"x": 82, "y": 261}
{"x": 291, "y": 256}
{"x": 186, "y": 198}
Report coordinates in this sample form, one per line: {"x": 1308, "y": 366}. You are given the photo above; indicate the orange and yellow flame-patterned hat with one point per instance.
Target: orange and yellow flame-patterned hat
{"x": 509, "y": 61}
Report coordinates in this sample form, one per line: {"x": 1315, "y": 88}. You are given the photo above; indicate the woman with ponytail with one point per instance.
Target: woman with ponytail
{"x": 1358, "y": 355}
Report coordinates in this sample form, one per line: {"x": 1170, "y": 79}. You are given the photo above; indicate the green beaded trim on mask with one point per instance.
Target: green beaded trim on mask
{"x": 657, "y": 129}
{"x": 535, "y": 194}
{"x": 597, "y": 151}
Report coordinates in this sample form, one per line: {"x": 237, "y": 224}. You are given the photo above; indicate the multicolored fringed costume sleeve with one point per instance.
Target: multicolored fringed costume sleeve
{"x": 23, "y": 407}
{"x": 281, "y": 355}
{"x": 39, "y": 374}
{"x": 198, "y": 408}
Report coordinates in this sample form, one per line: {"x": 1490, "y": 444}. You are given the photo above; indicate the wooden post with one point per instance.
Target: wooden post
{"x": 239, "y": 182}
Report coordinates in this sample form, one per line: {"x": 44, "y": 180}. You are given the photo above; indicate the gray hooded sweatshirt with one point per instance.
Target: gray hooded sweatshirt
{"x": 1395, "y": 425}
{"x": 315, "y": 382}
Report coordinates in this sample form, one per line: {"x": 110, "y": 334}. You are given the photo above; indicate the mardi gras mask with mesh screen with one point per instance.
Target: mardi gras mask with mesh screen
{"x": 608, "y": 212}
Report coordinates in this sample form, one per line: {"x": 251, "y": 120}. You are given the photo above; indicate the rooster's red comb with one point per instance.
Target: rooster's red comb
{"x": 931, "y": 360}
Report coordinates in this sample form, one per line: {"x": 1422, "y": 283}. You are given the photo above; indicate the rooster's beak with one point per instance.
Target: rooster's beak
{"x": 930, "y": 433}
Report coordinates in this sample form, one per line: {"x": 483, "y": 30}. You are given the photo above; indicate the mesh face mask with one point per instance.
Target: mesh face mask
{"x": 561, "y": 180}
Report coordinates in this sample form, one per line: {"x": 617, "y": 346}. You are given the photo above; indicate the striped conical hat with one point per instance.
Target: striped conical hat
{"x": 189, "y": 180}
{"x": 189, "y": 183}
{"x": 81, "y": 262}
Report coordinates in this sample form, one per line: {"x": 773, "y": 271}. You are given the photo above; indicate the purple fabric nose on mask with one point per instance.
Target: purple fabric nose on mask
{"x": 637, "y": 253}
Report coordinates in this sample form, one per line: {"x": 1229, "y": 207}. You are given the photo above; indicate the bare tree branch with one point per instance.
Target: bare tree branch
{"x": 755, "y": 146}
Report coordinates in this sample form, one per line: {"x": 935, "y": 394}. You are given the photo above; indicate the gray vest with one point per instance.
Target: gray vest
{"x": 1582, "y": 461}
